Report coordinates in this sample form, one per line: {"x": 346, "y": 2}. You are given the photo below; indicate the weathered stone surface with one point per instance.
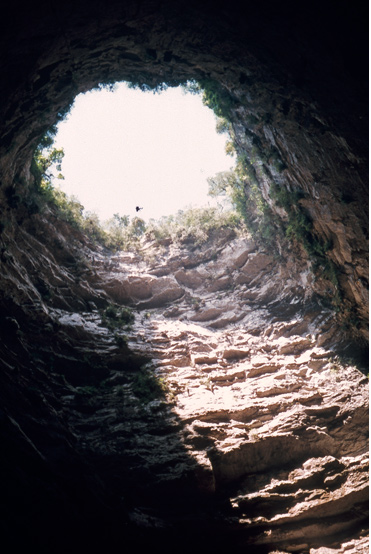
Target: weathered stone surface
{"x": 265, "y": 453}
{"x": 291, "y": 97}
{"x": 235, "y": 354}
{"x": 254, "y": 410}
{"x": 207, "y": 314}
{"x": 143, "y": 291}
{"x": 189, "y": 278}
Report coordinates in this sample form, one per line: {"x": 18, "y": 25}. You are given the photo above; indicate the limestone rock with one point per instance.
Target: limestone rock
{"x": 151, "y": 435}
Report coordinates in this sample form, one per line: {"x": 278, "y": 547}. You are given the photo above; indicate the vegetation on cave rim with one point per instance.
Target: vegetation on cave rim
{"x": 241, "y": 186}
{"x": 194, "y": 225}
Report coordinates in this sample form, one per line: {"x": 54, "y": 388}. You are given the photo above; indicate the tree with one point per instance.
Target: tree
{"x": 121, "y": 220}
{"x": 138, "y": 226}
{"x": 46, "y": 160}
{"x": 222, "y": 183}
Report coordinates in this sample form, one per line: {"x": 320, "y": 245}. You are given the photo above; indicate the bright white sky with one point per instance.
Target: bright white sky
{"x": 129, "y": 148}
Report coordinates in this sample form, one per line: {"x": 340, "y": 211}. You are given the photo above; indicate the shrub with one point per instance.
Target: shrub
{"x": 123, "y": 234}
{"x": 223, "y": 126}
{"x": 194, "y": 225}
{"x": 217, "y": 98}
{"x": 214, "y": 96}
{"x": 120, "y": 340}
{"x": 241, "y": 187}
{"x": 114, "y": 317}
{"x": 147, "y": 386}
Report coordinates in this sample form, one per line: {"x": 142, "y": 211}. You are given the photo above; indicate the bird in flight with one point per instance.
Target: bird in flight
{"x": 138, "y": 208}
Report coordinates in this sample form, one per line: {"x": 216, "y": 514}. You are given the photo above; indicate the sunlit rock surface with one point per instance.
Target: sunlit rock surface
{"x": 258, "y": 441}
{"x": 223, "y": 409}
{"x": 293, "y": 75}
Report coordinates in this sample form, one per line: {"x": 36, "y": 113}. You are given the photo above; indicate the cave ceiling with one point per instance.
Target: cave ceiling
{"x": 261, "y": 52}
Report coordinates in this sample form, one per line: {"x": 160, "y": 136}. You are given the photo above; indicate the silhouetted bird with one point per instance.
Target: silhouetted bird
{"x": 138, "y": 208}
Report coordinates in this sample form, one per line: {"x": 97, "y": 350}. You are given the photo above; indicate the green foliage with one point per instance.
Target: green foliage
{"x": 148, "y": 85}
{"x": 217, "y": 98}
{"x": 195, "y": 225}
{"x": 89, "y": 223}
{"x": 120, "y": 340}
{"x": 241, "y": 187}
{"x": 223, "y": 126}
{"x": 109, "y": 86}
{"x": 123, "y": 234}
{"x": 68, "y": 208}
{"x": 329, "y": 271}
{"x": 116, "y": 317}
{"x": 147, "y": 386}
{"x": 47, "y": 159}
{"x": 245, "y": 169}
{"x": 214, "y": 96}
{"x": 221, "y": 184}
{"x": 121, "y": 220}
{"x": 120, "y": 233}
{"x": 230, "y": 148}
{"x": 299, "y": 226}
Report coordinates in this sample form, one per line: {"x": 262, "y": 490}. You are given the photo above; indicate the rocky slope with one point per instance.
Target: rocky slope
{"x": 292, "y": 79}
{"x": 222, "y": 416}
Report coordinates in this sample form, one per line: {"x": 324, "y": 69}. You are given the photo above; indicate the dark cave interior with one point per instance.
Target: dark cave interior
{"x": 301, "y": 70}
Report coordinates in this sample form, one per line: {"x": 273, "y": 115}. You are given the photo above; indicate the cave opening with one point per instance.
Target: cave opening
{"x": 125, "y": 147}
{"x": 261, "y": 411}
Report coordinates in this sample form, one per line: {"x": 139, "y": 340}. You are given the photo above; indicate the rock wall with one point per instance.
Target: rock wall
{"x": 294, "y": 75}
{"x": 223, "y": 417}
